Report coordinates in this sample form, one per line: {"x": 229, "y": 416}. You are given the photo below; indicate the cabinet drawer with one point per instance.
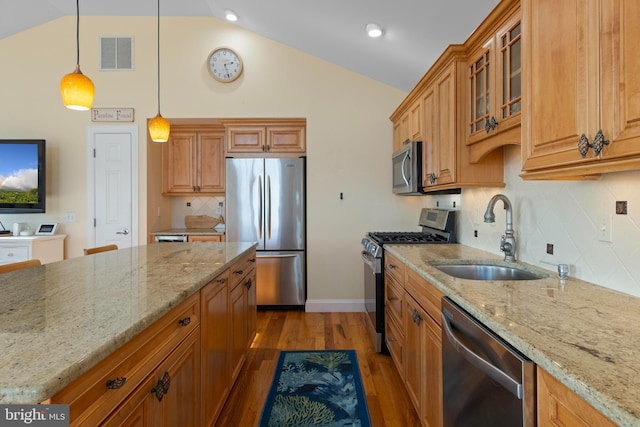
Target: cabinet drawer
{"x": 395, "y": 342}
{"x": 393, "y": 298}
{"x": 425, "y": 294}
{"x": 394, "y": 267}
{"x": 13, "y": 254}
{"x": 240, "y": 269}
{"x": 91, "y": 398}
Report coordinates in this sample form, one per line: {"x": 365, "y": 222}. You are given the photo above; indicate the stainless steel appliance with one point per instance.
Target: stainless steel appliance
{"x": 486, "y": 382}
{"x": 170, "y": 238}
{"x": 266, "y": 204}
{"x": 438, "y": 226}
{"x": 407, "y": 169}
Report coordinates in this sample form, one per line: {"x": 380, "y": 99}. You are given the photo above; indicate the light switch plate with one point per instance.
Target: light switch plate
{"x": 604, "y": 228}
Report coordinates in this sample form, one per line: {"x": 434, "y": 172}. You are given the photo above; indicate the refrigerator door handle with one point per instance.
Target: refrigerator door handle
{"x": 261, "y": 208}
{"x": 269, "y": 208}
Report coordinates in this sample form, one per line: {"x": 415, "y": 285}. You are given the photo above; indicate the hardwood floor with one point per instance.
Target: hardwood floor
{"x": 388, "y": 402}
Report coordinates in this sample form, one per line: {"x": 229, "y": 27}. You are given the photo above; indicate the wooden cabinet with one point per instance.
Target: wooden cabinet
{"x": 45, "y": 248}
{"x": 170, "y": 396}
{"x": 494, "y": 88}
{"x": 559, "y": 406}
{"x": 581, "y": 72}
{"x": 216, "y": 336}
{"x": 205, "y": 238}
{"x": 409, "y": 126}
{"x": 178, "y": 371}
{"x": 265, "y": 136}
{"x": 413, "y": 336}
{"x": 193, "y": 161}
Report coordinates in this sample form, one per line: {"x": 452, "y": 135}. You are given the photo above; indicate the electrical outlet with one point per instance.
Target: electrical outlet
{"x": 549, "y": 249}
{"x": 475, "y": 233}
{"x": 604, "y": 228}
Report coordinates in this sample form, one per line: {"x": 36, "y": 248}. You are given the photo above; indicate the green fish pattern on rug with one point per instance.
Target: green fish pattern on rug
{"x": 316, "y": 388}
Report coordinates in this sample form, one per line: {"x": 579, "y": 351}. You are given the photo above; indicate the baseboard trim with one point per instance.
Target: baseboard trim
{"x": 334, "y": 305}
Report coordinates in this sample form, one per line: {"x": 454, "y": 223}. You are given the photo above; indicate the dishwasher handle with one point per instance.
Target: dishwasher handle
{"x": 502, "y": 378}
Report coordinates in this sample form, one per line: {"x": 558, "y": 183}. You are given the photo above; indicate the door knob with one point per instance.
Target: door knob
{"x": 125, "y": 232}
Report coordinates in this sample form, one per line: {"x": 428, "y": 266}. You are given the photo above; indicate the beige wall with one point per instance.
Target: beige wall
{"x": 348, "y": 133}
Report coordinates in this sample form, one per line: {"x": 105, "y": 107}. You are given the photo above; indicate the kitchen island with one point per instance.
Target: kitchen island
{"x": 60, "y": 320}
{"x": 584, "y": 335}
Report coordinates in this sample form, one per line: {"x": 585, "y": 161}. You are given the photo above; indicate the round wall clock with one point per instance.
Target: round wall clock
{"x": 224, "y": 64}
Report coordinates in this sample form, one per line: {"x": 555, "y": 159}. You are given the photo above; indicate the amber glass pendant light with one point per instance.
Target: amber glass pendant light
{"x": 77, "y": 89}
{"x": 159, "y": 127}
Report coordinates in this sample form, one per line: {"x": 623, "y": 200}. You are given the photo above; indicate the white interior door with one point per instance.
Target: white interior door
{"x": 112, "y": 186}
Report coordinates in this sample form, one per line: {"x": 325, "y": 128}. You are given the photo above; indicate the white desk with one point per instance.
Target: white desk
{"x": 21, "y": 248}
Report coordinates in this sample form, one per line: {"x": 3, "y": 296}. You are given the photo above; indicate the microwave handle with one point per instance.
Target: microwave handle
{"x": 407, "y": 155}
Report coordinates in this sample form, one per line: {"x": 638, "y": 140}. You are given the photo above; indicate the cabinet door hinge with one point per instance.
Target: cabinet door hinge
{"x": 94, "y": 153}
{"x": 94, "y": 223}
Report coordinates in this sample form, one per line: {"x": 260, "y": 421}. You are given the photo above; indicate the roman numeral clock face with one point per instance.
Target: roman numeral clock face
{"x": 225, "y": 65}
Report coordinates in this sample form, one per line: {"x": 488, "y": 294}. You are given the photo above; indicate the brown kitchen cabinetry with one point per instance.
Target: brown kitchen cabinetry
{"x": 581, "y": 78}
{"x": 445, "y": 158}
{"x": 494, "y": 88}
{"x": 178, "y": 371}
{"x": 216, "y": 336}
{"x": 193, "y": 161}
{"x": 170, "y": 396}
{"x": 559, "y": 406}
{"x": 204, "y": 238}
{"x": 413, "y": 336}
{"x": 277, "y": 136}
{"x": 409, "y": 126}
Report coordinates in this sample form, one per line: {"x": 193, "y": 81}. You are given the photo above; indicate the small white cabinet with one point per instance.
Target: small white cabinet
{"x": 45, "y": 248}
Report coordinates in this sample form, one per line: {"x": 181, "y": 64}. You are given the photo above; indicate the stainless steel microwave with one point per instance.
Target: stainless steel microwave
{"x": 407, "y": 169}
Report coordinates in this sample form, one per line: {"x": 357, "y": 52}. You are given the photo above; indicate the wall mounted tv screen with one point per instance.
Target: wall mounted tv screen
{"x": 22, "y": 176}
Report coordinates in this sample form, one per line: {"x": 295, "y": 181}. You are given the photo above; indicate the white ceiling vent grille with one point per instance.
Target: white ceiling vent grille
{"x": 116, "y": 53}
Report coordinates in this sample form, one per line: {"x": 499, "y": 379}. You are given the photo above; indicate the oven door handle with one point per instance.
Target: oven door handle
{"x": 501, "y": 377}
{"x": 369, "y": 259}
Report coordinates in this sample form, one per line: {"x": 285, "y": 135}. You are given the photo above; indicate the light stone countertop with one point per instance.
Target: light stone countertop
{"x": 59, "y": 320}
{"x": 585, "y": 335}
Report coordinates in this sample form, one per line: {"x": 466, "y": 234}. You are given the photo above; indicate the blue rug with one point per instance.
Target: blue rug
{"x": 316, "y": 388}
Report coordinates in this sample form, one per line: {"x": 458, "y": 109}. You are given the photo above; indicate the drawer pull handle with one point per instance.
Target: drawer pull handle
{"x": 238, "y": 272}
{"x": 391, "y": 266}
{"x": 415, "y": 316}
{"x": 391, "y": 339}
{"x": 391, "y": 298}
{"x": 185, "y": 321}
{"x": 248, "y": 284}
{"x": 252, "y": 260}
{"x": 223, "y": 280}
{"x": 116, "y": 383}
{"x": 162, "y": 387}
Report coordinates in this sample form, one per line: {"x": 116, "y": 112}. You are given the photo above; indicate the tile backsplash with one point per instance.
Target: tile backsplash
{"x": 199, "y": 206}
{"x": 566, "y": 214}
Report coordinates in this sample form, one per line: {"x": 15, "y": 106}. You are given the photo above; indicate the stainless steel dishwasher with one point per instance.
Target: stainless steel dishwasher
{"x": 486, "y": 382}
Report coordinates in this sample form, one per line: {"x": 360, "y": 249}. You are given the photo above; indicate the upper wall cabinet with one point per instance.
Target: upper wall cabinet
{"x": 581, "y": 69}
{"x": 409, "y": 125}
{"x": 193, "y": 161}
{"x": 494, "y": 87}
{"x": 278, "y": 136}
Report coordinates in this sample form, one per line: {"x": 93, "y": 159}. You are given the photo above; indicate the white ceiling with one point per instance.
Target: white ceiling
{"x": 416, "y": 31}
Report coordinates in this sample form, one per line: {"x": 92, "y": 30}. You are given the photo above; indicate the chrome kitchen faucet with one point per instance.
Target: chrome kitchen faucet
{"x": 508, "y": 241}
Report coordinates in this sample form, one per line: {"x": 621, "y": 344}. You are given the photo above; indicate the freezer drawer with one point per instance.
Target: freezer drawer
{"x": 280, "y": 278}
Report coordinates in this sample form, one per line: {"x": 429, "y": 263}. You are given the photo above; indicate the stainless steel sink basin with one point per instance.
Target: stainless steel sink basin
{"x": 486, "y": 272}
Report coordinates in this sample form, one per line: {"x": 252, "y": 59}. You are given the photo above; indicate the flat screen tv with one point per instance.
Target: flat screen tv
{"x": 22, "y": 176}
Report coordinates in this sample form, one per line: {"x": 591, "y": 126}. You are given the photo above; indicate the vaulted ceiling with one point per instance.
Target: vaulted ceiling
{"x": 415, "y": 31}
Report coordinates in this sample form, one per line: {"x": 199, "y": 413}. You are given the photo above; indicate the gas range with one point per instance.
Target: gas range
{"x": 438, "y": 226}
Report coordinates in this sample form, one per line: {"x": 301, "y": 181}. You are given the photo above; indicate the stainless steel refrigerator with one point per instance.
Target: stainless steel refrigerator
{"x": 266, "y": 204}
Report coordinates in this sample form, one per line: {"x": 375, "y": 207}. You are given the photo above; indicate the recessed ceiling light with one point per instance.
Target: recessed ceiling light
{"x": 374, "y": 30}
{"x": 230, "y": 15}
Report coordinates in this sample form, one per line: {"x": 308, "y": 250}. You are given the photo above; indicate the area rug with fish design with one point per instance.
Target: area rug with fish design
{"x": 316, "y": 388}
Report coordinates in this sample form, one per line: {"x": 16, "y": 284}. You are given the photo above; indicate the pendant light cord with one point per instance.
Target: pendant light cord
{"x": 78, "y": 32}
{"x": 158, "y": 56}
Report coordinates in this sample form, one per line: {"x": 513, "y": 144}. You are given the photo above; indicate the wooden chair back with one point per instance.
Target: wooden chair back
{"x": 5, "y": 268}
{"x": 98, "y": 249}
